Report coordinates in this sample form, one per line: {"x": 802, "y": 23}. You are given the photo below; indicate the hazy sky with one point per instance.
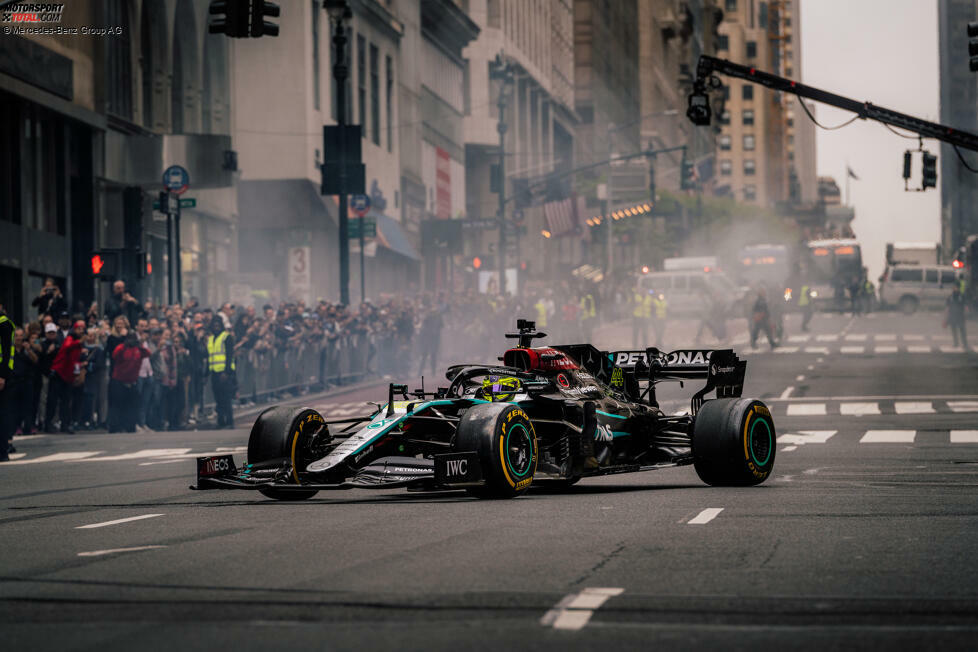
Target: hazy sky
{"x": 883, "y": 51}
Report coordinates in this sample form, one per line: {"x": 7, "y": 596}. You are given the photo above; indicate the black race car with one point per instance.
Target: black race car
{"x": 551, "y": 414}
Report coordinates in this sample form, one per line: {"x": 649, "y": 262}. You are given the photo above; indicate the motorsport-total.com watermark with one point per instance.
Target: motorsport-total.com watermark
{"x": 31, "y": 13}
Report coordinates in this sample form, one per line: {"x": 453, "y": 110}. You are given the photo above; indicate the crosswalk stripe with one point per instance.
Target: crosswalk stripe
{"x": 806, "y": 437}
{"x": 918, "y": 349}
{"x": 786, "y": 349}
{"x": 56, "y": 457}
{"x": 888, "y": 437}
{"x": 816, "y": 349}
{"x": 806, "y": 409}
{"x": 885, "y": 349}
{"x": 826, "y": 338}
{"x": 963, "y": 406}
{"x": 913, "y": 338}
{"x": 858, "y": 409}
{"x": 884, "y": 336}
{"x": 964, "y": 436}
{"x": 856, "y": 337}
{"x": 913, "y": 407}
{"x": 798, "y": 338}
{"x": 852, "y": 349}
{"x": 945, "y": 348}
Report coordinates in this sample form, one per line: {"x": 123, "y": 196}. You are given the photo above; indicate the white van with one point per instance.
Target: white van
{"x": 916, "y": 287}
{"x": 684, "y": 290}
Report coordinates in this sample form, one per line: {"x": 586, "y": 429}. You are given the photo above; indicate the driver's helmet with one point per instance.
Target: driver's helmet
{"x": 499, "y": 389}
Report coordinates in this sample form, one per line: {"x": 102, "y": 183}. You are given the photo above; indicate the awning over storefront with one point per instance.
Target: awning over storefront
{"x": 284, "y": 204}
{"x": 390, "y": 234}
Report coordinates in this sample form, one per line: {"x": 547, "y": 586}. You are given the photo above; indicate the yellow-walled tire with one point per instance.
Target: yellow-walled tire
{"x": 503, "y": 436}
{"x": 734, "y": 442}
{"x": 283, "y": 433}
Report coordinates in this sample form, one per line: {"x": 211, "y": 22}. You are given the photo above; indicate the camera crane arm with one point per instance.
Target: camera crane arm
{"x": 708, "y": 66}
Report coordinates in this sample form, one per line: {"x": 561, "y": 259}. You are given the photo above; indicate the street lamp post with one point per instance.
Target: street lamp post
{"x": 339, "y": 12}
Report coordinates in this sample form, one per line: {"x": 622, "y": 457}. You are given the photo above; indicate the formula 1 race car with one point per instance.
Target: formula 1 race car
{"x": 546, "y": 415}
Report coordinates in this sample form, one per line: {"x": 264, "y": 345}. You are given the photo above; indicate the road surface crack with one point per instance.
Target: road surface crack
{"x": 601, "y": 563}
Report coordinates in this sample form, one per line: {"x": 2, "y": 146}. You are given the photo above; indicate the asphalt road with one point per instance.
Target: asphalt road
{"x": 863, "y": 538}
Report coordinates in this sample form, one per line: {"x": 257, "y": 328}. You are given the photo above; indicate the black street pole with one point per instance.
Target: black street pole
{"x": 340, "y": 73}
{"x": 363, "y": 282}
{"x": 501, "y": 128}
{"x": 169, "y": 251}
{"x": 178, "y": 262}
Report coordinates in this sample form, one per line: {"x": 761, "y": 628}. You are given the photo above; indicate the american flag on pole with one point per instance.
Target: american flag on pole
{"x": 562, "y": 215}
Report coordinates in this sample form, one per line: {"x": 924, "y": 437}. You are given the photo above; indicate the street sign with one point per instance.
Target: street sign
{"x": 176, "y": 179}
{"x": 185, "y": 202}
{"x": 360, "y": 204}
{"x": 480, "y": 223}
{"x": 369, "y": 228}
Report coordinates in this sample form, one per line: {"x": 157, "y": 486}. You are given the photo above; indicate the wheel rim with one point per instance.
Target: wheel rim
{"x": 519, "y": 450}
{"x": 760, "y": 446}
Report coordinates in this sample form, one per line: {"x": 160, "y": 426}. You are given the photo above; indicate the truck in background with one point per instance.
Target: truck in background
{"x": 913, "y": 253}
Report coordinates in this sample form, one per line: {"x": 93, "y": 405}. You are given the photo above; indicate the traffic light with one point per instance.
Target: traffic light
{"x": 906, "y": 165}
{"x": 522, "y": 195}
{"x": 144, "y": 264}
{"x": 259, "y": 26}
{"x": 687, "y": 178}
{"x": 651, "y": 183}
{"x": 930, "y": 171}
{"x": 232, "y": 18}
{"x": 104, "y": 264}
{"x": 973, "y": 46}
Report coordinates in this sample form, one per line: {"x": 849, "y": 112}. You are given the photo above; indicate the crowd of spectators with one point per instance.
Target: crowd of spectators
{"x": 133, "y": 365}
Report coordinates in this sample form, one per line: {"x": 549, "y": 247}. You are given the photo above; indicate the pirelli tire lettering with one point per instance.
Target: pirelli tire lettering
{"x": 504, "y": 438}
{"x": 284, "y": 433}
{"x": 734, "y": 442}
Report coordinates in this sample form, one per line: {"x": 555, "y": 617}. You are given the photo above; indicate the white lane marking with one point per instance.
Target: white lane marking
{"x": 852, "y": 349}
{"x": 918, "y": 349}
{"x": 946, "y": 348}
{"x": 705, "y": 516}
{"x": 57, "y": 457}
{"x": 17, "y": 456}
{"x": 786, "y": 349}
{"x": 787, "y": 392}
{"x": 885, "y": 336}
{"x": 913, "y": 407}
{"x": 826, "y": 338}
{"x": 817, "y": 349}
{"x": 913, "y": 338}
{"x": 116, "y": 522}
{"x": 858, "y": 409}
{"x": 176, "y": 461}
{"x": 798, "y": 338}
{"x": 856, "y": 337}
{"x": 799, "y": 378}
{"x": 112, "y": 551}
{"x": 810, "y": 367}
{"x": 575, "y": 610}
{"x": 806, "y": 409}
{"x": 803, "y": 437}
{"x": 788, "y": 449}
{"x": 963, "y": 406}
{"x": 148, "y": 452}
{"x": 964, "y": 436}
{"x": 888, "y": 437}
{"x": 26, "y": 437}
{"x": 885, "y": 349}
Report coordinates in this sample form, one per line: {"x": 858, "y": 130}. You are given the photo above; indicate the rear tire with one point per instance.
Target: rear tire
{"x": 282, "y": 433}
{"x": 503, "y": 436}
{"x": 734, "y": 442}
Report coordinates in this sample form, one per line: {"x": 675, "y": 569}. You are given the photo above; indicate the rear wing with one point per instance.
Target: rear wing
{"x": 721, "y": 368}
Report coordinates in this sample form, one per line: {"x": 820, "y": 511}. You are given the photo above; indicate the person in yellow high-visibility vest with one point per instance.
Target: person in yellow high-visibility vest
{"x": 541, "y": 309}
{"x": 805, "y": 303}
{"x": 587, "y": 315}
{"x": 221, "y": 367}
{"x": 660, "y": 305}
{"x": 641, "y": 316}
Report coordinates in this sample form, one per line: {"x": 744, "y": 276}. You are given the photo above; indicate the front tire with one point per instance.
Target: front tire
{"x": 504, "y": 438}
{"x": 282, "y": 433}
{"x": 734, "y": 442}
